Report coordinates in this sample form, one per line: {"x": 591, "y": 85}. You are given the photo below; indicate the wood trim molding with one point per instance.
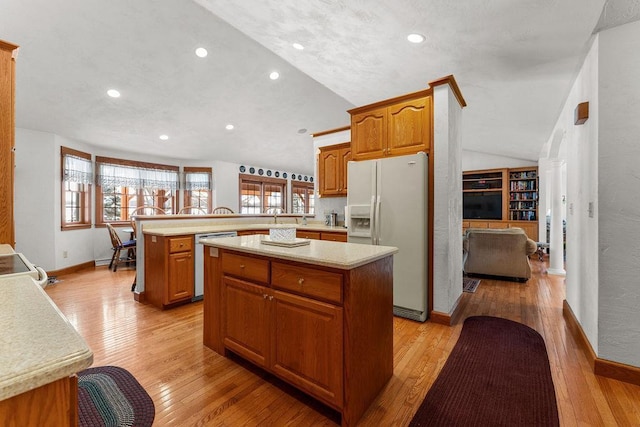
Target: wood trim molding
{"x": 139, "y": 297}
{"x": 409, "y": 96}
{"x": 454, "y": 317}
{"x": 4, "y": 45}
{"x": 72, "y": 269}
{"x": 604, "y": 368}
{"x": 70, "y": 151}
{"x": 196, "y": 169}
{"x": 451, "y": 81}
{"x": 135, "y": 164}
{"x": 330, "y": 131}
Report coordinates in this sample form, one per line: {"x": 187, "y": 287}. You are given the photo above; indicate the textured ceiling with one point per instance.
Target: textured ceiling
{"x": 514, "y": 62}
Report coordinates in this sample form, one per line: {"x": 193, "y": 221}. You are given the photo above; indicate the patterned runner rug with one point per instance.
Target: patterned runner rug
{"x": 110, "y": 396}
{"x": 498, "y": 374}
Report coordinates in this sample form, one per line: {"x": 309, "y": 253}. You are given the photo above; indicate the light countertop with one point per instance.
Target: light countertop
{"x": 344, "y": 256}
{"x": 38, "y": 345}
{"x": 209, "y": 228}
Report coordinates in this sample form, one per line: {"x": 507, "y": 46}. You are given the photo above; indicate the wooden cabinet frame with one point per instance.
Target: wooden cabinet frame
{"x": 332, "y": 170}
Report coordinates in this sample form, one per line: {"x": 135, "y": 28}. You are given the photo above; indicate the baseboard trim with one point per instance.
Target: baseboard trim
{"x": 72, "y": 269}
{"x": 450, "y": 319}
{"x": 139, "y": 296}
{"x": 604, "y": 368}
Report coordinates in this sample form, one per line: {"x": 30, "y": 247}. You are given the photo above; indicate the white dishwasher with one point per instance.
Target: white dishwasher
{"x": 199, "y": 260}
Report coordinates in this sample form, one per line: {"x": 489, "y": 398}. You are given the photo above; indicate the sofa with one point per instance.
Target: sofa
{"x": 498, "y": 252}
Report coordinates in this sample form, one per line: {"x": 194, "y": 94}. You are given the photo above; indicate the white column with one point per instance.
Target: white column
{"x": 556, "y": 247}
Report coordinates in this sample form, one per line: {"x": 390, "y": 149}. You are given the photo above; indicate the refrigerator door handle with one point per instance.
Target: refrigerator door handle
{"x": 372, "y": 220}
{"x": 377, "y": 220}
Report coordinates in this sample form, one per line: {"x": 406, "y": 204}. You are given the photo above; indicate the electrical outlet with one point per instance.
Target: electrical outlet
{"x": 65, "y": 254}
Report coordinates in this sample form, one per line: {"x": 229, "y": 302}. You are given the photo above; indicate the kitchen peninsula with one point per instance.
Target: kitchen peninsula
{"x": 319, "y": 316}
{"x": 41, "y": 353}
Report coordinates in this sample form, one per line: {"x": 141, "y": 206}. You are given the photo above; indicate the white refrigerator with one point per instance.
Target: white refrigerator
{"x": 387, "y": 205}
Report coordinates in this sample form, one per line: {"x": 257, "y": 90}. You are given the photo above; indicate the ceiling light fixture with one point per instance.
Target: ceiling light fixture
{"x": 301, "y": 131}
{"x": 274, "y": 75}
{"x": 113, "y": 93}
{"x": 229, "y": 127}
{"x": 164, "y": 137}
{"x": 415, "y": 38}
{"x": 298, "y": 46}
{"x": 201, "y": 52}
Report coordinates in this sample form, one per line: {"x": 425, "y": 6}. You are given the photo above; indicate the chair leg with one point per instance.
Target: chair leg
{"x": 113, "y": 258}
{"x": 117, "y": 255}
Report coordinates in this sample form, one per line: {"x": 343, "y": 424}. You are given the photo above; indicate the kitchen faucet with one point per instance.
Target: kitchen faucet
{"x": 275, "y": 212}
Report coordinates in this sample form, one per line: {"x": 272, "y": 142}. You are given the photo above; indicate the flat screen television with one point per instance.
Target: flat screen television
{"x": 482, "y": 205}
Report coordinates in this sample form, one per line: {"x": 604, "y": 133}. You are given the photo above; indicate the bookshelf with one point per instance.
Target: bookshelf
{"x": 523, "y": 194}
{"x": 505, "y": 198}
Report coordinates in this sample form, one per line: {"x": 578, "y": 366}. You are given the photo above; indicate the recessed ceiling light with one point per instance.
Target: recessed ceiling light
{"x": 164, "y": 137}
{"x": 229, "y": 126}
{"x": 415, "y": 38}
{"x": 298, "y": 46}
{"x": 113, "y": 93}
{"x": 301, "y": 131}
{"x": 201, "y": 52}
{"x": 274, "y": 75}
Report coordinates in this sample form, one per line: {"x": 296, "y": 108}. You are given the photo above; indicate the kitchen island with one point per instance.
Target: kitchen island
{"x": 319, "y": 316}
{"x": 41, "y": 353}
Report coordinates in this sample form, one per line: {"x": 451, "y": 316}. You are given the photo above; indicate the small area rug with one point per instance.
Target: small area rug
{"x": 111, "y": 396}
{"x": 469, "y": 284}
{"x": 498, "y": 374}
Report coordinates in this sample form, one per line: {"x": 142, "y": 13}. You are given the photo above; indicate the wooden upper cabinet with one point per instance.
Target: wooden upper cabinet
{"x": 394, "y": 127}
{"x": 368, "y": 134}
{"x": 409, "y": 129}
{"x": 332, "y": 170}
{"x": 7, "y": 140}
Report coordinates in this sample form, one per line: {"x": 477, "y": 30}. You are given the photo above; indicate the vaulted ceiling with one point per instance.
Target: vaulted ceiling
{"x": 514, "y": 62}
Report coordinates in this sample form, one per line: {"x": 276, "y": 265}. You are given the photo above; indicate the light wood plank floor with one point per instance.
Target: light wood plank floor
{"x": 192, "y": 385}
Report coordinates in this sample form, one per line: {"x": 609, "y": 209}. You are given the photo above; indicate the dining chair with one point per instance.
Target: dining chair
{"x": 193, "y": 210}
{"x": 222, "y": 210}
{"x": 117, "y": 245}
{"x": 144, "y": 210}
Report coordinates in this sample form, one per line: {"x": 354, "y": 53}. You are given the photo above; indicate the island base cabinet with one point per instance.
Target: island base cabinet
{"x": 168, "y": 266}
{"x": 307, "y": 347}
{"x": 246, "y": 321}
{"x": 332, "y": 340}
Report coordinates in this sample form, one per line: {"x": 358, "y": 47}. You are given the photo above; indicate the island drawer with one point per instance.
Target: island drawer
{"x": 180, "y": 244}
{"x": 246, "y": 267}
{"x": 318, "y": 284}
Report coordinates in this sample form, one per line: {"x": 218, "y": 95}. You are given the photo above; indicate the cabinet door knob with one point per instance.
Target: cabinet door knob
{"x": 264, "y": 296}
{"x": 241, "y": 265}
{"x": 270, "y": 297}
{"x": 300, "y": 281}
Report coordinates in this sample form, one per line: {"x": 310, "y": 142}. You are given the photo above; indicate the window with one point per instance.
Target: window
{"x": 303, "y": 200}
{"x": 257, "y": 195}
{"x": 77, "y": 175}
{"x": 123, "y": 186}
{"x": 197, "y": 188}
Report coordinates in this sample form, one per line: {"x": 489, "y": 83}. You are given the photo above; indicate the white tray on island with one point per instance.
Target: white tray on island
{"x": 285, "y": 243}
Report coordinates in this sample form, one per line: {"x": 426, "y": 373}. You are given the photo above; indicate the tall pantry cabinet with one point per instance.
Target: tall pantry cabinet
{"x": 8, "y": 53}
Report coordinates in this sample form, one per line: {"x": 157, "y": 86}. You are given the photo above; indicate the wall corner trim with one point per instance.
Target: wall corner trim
{"x": 604, "y": 368}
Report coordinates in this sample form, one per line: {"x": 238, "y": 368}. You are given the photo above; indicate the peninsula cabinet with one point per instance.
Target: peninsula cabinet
{"x": 7, "y": 140}
{"x": 169, "y": 270}
{"x": 332, "y": 170}
{"x": 394, "y": 127}
{"x": 326, "y": 331}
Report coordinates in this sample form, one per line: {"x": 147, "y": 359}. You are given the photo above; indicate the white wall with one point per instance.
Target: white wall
{"x": 473, "y": 160}
{"x": 35, "y": 203}
{"x": 618, "y": 210}
{"x": 580, "y": 147}
{"x": 447, "y": 149}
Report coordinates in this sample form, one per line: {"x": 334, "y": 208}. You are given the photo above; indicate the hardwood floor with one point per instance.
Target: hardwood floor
{"x": 192, "y": 385}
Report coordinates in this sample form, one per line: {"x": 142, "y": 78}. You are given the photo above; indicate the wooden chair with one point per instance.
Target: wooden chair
{"x": 222, "y": 210}
{"x": 193, "y": 210}
{"x": 144, "y": 210}
{"x": 118, "y": 245}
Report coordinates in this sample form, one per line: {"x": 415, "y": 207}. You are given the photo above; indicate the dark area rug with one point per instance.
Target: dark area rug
{"x": 111, "y": 396}
{"x": 469, "y": 284}
{"x": 498, "y": 374}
